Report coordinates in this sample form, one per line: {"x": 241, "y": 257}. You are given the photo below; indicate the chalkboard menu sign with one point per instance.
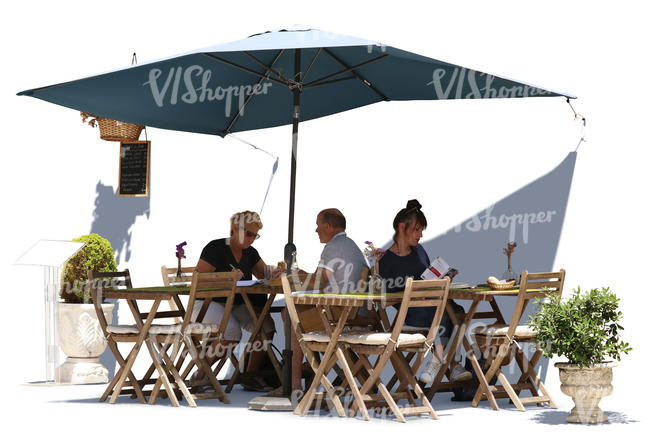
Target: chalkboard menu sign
{"x": 134, "y": 168}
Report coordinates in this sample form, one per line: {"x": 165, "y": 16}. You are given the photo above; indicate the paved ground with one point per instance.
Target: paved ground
{"x": 75, "y": 410}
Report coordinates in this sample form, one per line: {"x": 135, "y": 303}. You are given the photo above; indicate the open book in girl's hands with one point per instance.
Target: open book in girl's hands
{"x": 438, "y": 269}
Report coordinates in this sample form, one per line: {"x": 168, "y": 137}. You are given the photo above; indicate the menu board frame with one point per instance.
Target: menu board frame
{"x": 147, "y": 165}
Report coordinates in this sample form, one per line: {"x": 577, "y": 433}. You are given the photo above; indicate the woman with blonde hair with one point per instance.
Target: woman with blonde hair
{"x": 237, "y": 252}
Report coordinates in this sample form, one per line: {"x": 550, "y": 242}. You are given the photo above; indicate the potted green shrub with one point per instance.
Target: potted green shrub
{"x": 585, "y": 329}
{"x": 80, "y": 336}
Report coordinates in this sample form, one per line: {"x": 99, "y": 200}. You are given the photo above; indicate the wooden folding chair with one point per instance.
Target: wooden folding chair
{"x": 312, "y": 344}
{"x": 499, "y": 343}
{"x": 171, "y": 278}
{"x": 393, "y": 345}
{"x": 176, "y": 307}
{"x": 430, "y": 332}
{"x": 115, "y": 334}
{"x": 195, "y": 337}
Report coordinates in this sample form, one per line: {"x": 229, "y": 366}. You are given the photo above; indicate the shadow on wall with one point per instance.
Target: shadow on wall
{"x": 113, "y": 218}
{"x": 532, "y": 216}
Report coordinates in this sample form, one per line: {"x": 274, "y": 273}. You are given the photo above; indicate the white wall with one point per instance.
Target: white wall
{"x": 392, "y": 152}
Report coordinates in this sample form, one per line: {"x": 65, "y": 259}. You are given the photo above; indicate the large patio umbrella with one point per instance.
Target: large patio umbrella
{"x": 273, "y": 79}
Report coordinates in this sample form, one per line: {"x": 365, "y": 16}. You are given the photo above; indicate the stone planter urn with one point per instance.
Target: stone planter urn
{"x": 82, "y": 340}
{"x": 586, "y": 386}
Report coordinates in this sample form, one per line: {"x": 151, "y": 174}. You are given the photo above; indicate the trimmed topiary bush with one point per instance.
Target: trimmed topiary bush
{"x": 97, "y": 255}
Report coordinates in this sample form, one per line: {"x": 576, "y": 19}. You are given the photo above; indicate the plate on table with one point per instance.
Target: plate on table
{"x": 458, "y": 285}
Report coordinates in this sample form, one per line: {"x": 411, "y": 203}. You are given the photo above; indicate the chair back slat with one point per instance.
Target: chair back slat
{"x": 118, "y": 280}
{"x": 532, "y": 283}
{"x": 429, "y": 293}
{"x": 171, "y": 279}
{"x": 215, "y": 284}
{"x": 425, "y": 303}
{"x": 118, "y": 274}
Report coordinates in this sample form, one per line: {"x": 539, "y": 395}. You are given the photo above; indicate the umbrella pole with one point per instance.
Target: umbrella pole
{"x": 290, "y": 247}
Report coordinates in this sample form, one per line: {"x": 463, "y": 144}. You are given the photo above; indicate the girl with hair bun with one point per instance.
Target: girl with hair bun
{"x": 407, "y": 258}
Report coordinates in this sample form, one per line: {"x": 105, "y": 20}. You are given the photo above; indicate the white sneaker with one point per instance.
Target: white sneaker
{"x": 430, "y": 370}
{"x": 460, "y": 374}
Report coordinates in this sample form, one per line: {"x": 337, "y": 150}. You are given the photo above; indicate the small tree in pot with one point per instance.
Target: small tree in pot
{"x": 586, "y": 330}
{"x": 80, "y": 335}
{"x": 98, "y": 256}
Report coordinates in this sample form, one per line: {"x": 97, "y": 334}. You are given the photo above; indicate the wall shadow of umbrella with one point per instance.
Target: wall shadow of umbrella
{"x": 114, "y": 216}
{"x": 475, "y": 245}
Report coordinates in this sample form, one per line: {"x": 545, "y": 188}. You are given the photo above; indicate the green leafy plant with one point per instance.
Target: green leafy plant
{"x": 585, "y": 328}
{"x": 97, "y": 255}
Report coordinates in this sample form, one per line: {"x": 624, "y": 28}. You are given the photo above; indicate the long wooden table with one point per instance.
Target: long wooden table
{"x": 461, "y": 322}
{"x": 157, "y": 294}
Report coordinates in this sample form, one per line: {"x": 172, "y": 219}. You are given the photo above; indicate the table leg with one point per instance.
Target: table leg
{"x": 259, "y": 321}
{"x": 453, "y": 346}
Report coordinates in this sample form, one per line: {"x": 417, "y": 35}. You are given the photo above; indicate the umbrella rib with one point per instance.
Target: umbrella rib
{"x": 246, "y": 69}
{"x": 351, "y": 70}
{"x": 347, "y": 78}
{"x": 250, "y": 96}
{"x": 311, "y": 64}
{"x": 272, "y": 70}
{"x": 357, "y": 75}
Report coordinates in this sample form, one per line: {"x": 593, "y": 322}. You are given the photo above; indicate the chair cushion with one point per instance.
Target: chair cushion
{"x": 522, "y": 331}
{"x": 365, "y": 337}
{"x": 373, "y": 338}
{"x": 123, "y": 329}
{"x": 320, "y": 336}
{"x": 194, "y": 328}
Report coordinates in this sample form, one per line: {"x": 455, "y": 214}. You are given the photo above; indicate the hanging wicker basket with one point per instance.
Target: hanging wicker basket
{"x": 114, "y": 130}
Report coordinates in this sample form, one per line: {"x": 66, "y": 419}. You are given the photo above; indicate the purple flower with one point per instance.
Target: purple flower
{"x": 180, "y": 253}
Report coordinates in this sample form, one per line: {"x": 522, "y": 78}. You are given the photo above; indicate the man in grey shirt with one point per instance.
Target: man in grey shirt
{"x": 341, "y": 265}
{"x": 341, "y": 262}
